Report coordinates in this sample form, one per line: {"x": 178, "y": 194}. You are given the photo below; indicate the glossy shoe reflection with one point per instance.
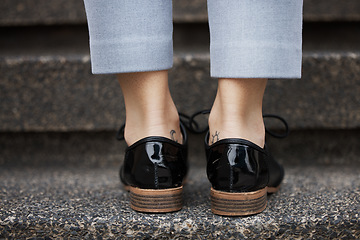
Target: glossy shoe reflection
{"x": 241, "y": 173}
{"x": 153, "y": 172}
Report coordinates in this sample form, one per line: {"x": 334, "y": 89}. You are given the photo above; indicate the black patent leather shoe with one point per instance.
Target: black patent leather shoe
{"x": 153, "y": 171}
{"x": 241, "y": 174}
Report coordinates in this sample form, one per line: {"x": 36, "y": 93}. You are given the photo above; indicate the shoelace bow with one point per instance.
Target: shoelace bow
{"x": 193, "y": 126}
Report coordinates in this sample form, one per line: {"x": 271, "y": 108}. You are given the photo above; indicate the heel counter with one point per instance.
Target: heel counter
{"x": 237, "y": 168}
{"x": 154, "y": 165}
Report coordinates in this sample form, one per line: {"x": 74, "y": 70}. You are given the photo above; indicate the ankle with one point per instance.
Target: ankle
{"x": 237, "y": 111}
{"x": 158, "y": 122}
{"x": 230, "y": 123}
{"x": 237, "y": 129}
{"x": 150, "y": 110}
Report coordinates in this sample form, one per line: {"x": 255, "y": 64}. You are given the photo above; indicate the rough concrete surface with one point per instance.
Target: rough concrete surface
{"x": 90, "y": 203}
{"x": 46, "y": 83}
{"x": 60, "y": 94}
{"x": 100, "y": 149}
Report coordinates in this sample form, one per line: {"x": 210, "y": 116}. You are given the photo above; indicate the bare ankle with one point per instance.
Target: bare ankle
{"x": 230, "y": 126}
{"x": 150, "y": 110}
{"x": 237, "y": 111}
{"x": 153, "y": 123}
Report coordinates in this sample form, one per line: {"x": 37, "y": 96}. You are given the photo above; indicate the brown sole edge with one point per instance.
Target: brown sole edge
{"x": 156, "y": 200}
{"x": 238, "y": 204}
{"x": 273, "y": 189}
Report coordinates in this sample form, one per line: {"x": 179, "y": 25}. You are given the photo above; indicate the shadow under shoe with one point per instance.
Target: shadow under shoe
{"x": 241, "y": 173}
{"x": 153, "y": 171}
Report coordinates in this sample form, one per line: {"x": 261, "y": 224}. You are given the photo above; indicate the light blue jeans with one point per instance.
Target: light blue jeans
{"x": 248, "y": 38}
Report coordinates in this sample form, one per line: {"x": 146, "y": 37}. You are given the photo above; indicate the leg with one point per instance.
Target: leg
{"x": 150, "y": 110}
{"x": 251, "y": 41}
{"x": 237, "y": 111}
{"x": 133, "y": 38}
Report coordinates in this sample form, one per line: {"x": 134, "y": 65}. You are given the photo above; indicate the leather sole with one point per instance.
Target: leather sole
{"x": 238, "y": 204}
{"x": 156, "y": 200}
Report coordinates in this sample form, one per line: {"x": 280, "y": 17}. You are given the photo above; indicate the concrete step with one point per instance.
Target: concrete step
{"x": 101, "y": 150}
{"x": 43, "y": 12}
{"x": 46, "y": 84}
{"x": 317, "y": 202}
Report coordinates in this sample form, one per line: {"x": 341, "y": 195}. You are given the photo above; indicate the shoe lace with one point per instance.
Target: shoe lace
{"x": 193, "y": 126}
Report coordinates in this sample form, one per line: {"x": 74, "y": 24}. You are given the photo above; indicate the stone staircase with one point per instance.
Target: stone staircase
{"x": 59, "y": 158}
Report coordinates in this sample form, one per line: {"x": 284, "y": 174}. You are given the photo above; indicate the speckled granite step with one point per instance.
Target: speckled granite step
{"x": 317, "y": 202}
{"x": 35, "y": 12}
{"x": 46, "y": 84}
{"x": 102, "y": 150}
{"x": 58, "y": 93}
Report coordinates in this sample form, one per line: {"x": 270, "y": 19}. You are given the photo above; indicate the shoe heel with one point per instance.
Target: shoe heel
{"x": 238, "y": 204}
{"x": 156, "y": 200}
